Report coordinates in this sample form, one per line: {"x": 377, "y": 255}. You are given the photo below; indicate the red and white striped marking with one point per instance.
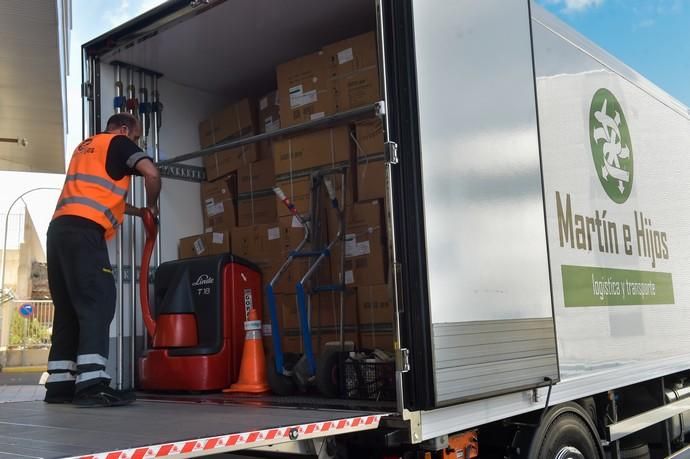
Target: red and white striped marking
{"x": 246, "y": 440}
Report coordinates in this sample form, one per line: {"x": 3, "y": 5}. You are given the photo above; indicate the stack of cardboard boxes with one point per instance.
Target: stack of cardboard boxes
{"x": 242, "y": 214}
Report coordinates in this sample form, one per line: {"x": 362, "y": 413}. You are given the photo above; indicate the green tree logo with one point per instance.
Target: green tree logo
{"x": 611, "y": 147}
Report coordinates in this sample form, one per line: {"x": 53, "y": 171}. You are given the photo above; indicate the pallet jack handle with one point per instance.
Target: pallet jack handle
{"x": 151, "y": 227}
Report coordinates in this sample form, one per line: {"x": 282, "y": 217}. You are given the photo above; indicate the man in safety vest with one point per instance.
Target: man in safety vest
{"x": 89, "y": 211}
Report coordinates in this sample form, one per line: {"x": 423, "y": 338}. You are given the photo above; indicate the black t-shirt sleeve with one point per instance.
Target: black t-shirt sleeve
{"x": 123, "y": 156}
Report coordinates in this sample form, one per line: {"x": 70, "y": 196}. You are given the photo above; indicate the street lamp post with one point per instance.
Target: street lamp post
{"x": 4, "y": 248}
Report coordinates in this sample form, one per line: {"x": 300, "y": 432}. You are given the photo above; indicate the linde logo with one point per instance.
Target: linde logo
{"x": 611, "y": 146}
{"x": 203, "y": 280}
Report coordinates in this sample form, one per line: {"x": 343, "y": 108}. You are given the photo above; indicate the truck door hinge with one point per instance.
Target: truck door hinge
{"x": 87, "y": 90}
{"x": 390, "y": 150}
{"x": 403, "y": 360}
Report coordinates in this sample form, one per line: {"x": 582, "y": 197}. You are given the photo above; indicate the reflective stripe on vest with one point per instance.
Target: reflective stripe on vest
{"x": 98, "y": 181}
{"x": 90, "y": 203}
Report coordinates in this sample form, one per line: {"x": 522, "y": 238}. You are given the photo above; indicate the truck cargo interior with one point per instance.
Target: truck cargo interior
{"x": 222, "y": 78}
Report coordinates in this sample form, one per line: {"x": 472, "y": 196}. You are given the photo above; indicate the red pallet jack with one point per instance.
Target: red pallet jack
{"x": 196, "y": 324}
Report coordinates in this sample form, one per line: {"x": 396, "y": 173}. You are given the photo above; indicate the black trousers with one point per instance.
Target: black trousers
{"x": 84, "y": 295}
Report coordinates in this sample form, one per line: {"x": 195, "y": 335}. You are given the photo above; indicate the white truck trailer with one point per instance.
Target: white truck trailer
{"x": 538, "y": 237}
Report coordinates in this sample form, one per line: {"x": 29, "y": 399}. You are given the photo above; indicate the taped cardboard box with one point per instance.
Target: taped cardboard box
{"x": 304, "y": 89}
{"x": 326, "y": 147}
{"x": 292, "y": 339}
{"x": 371, "y": 179}
{"x": 226, "y": 162}
{"x": 365, "y": 260}
{"x": 269, "y": 112}
{"x": 354, "y": 71}
{"x": 369, "y": 135}
{"x": 215, "y": 243}
{"x": 374, "y": 305}
{"x": 352, "y": 54}
{"x": 257, "y": 176}
{"x": 217, "y": 206}
{"x": 234, "y": 121}
{"x": 328, "y": 312}
{"x": 256, "y": 208}
{"x": 377, "y": 340}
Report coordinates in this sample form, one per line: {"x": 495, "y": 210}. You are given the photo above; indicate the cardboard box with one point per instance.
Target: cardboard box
{"x": 365, "y": 260}
{"x": 356, "y": 90}
{"x": 269, "y": 112}
{"x": 256, "y": 176}
{"x": 354, "y": 71}
{"x": 328, "y": 312}
{"x": 292, "y": 340}
{"x": 234, "y": 121}
{"x": 371, "y": 179}
{"x": 377, "y": 340}
{"x": 352, "y": 54}
{"x": 225, "y": 162}
{"x": 304, "y": 89}
{"x": 217, "y": 206}
{"x": 205, "y": 244}
{"x": 308, "y": 151}
{"x": 374, "y": 305}
{"x": 258, "y": 208}
{"x": 369, "y": 135}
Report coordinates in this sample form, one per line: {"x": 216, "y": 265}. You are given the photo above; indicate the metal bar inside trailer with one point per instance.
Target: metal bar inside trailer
{"x": 164, "y": 429}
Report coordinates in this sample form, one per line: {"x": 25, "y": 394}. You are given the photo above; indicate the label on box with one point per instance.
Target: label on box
{"x": 363, "y": 248}
{"x": 303, "y": 98}
{"x": 350, "y": 245}
{"x": 199, "y": 247}
{"x": 273, "y": 233}
{"x": 218, "y": 238}
{"x": 345, "y": 55}
{"x": 215, "y": 209}
{"x": 263, "y": 103}
{"x": 266, "y": 330}
{"x": 316, "y": 116}
{"x": 349, "y": 277}
{"x": 272, "y": 126}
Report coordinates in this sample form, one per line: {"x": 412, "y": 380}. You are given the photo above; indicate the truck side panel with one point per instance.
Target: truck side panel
{"x": 615, "y": 155}
{"x": 489, "y": 288}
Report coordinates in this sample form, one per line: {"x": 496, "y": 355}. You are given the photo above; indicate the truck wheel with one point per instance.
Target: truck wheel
{"x": 327, "y": 374}
{"x": 565, "y": 431}
{"x": 280, "y": 384}
{"x": 636, "y": 452}
{"x": 568, "y": 437}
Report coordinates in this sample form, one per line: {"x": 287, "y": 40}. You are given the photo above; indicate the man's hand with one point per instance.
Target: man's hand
{"x": 131, "y": 210}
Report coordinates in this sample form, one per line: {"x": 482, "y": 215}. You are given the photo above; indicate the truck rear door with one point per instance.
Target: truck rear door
{"x": 472, "y": 263}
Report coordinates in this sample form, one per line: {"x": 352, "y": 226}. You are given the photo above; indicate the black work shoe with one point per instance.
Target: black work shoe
{"x": 102, "y": 395}
{"x": 58, "y": 398}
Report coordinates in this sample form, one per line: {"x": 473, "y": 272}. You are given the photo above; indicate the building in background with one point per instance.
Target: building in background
{"x": 34, "y": 58}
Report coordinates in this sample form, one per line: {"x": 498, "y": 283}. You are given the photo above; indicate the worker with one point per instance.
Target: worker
{"x": 89, "y": 211}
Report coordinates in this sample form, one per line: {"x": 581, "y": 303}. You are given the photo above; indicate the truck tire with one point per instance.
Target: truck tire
{"x": 328, "y": 374}
{"x": 281, "y": 384}
{"x": 566, "y": 432}
{"x": 636, "y": 452}
{"x": 568, "y": 438}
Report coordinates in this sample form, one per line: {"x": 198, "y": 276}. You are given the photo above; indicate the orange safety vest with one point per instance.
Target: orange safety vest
{"x": 89, "y": 192}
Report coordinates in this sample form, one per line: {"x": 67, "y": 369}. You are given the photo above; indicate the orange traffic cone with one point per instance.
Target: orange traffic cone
{"x": 252, "y": 378}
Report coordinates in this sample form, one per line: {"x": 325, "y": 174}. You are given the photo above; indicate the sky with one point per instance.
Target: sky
{"x": 651, "y": 36}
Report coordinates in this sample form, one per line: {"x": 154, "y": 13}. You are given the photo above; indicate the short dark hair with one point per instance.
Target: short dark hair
{"x": 121, "y": 119}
